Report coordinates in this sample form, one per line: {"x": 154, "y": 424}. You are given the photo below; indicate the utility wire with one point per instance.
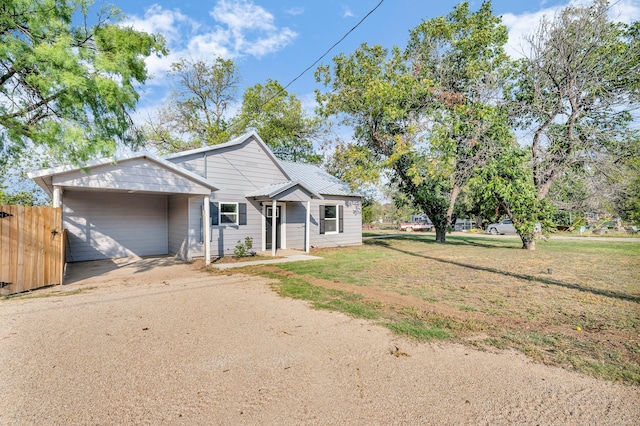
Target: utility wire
{"x": 283, "y": 90}
{"x": 334, "y": 45}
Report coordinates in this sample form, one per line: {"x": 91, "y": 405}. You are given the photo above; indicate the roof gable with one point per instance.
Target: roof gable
{"x": 236, "y": 143}
{"x": 282, "y": 190}
{"x": 138, "y": 172}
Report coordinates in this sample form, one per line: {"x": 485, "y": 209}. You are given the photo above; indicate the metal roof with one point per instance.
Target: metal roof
{"x": 271, "y": 191}
{"x": 317, "y": 179}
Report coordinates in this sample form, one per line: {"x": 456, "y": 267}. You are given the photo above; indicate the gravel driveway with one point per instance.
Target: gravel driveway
{"x": 160, "y": 342}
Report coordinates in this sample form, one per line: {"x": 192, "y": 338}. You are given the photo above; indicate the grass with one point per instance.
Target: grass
{"x": 487, "y": 292}
{"x": 39, "y": 295}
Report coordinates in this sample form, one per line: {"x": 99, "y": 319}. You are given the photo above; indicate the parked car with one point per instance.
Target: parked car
{"x": 505, "y": 226}
{"x": 422, "y": 226}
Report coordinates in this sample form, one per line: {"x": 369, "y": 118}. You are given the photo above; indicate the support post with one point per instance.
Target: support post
{"x": 274, "y": 235}
{"x": 57, "y": 196}
{"x": 206, "y": 213}
{"x": 307, "y": 242}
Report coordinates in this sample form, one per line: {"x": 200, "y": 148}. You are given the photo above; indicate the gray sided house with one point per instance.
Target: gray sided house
{"x": 200, "y": 203}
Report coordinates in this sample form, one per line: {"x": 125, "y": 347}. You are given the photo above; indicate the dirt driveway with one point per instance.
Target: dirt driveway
{"x": 160, "y": 342}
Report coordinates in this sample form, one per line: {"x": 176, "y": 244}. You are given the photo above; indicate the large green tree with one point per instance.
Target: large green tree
{"x": 427, "y": 113}
{"x": 195, "y": 114}
{"x": 68, "y": 78}
{"x": 280, "y": 120}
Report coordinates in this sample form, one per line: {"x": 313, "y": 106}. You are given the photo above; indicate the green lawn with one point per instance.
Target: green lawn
{"x": 569, "y": 303}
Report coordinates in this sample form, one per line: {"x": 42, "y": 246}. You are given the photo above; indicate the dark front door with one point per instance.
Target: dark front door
{"x": 268, "y": 233}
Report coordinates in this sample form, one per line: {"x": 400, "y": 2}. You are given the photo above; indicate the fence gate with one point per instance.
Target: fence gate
{"x": 31, "y": 248}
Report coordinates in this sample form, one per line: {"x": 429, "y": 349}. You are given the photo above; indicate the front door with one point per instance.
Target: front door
{"x": 268, "y": 233}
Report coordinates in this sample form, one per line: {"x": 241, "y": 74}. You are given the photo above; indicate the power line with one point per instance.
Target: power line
{"x": 284, "y": 89}
{"x": 334, "y": 45}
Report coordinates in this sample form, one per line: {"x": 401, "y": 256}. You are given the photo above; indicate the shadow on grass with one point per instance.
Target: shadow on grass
{"x": 599, "y": 292}
{"x": 451, "y": 241}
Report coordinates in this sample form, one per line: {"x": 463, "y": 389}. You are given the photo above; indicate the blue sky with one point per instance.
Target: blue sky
{"x": 279, "y": 39}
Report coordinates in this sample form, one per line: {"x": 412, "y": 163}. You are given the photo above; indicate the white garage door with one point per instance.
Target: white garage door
{"x": 111, "y": 225}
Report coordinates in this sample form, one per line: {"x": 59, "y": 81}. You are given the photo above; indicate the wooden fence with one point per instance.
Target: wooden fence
{"x": 32, "y": 247}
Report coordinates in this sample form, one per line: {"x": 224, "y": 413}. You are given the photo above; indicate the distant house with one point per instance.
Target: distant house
{"x": 200, "y": 203}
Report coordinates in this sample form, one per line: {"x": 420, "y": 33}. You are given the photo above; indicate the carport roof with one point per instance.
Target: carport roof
{"x": 44, "y": 177}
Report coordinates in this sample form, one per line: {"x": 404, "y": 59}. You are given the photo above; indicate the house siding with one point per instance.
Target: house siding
{"x": 112, "y": 225}
{"x": 293, "y": 194}
{"x": 238, "y": 171}
{"x": 178, "y": 226}
{"x": 195, "y": 231}
{"x": 133, "y": 175}
{"x": 296, "y": 222}
{"x": 352, "y": 210}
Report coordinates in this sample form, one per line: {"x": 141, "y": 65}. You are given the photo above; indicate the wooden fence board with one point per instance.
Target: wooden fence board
{"x": 31, "y": 248}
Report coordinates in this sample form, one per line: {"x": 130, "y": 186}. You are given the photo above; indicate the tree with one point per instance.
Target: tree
{"x": 69, "y": 88}
{"x": 427, "y": 113}
{"x": 195, "y": 113}
{"x": 574, "y": 92}
{"x": 354, "y": 165}
{"x": 505, "y": 186}
{"x": 280, "y": 121}
{"x": 628, "y": 201}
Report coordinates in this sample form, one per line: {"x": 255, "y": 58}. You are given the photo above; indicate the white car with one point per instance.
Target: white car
{"x": 505, "y": 226}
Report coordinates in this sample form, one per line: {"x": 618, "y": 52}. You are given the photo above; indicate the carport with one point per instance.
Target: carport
{"x": 138, "y": 205}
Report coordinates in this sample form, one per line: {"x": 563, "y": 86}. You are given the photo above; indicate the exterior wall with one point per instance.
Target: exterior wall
{"x": 105, "y": 225}
{"x": 178, "y": 226}
{"x": 243, "y": 169}
{"x": 293, "y": 194}
{"x": 134, "y": 175}
{"x": 195, "y": 232}
{"x": 296, "y": 221}
{"x": 352, "y": 234}
{"x": 238, "y": 171}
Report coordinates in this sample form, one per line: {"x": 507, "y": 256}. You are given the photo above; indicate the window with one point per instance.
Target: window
{"x": 270, "y": 212}
{"x": 228, "y": 213}
{"x": 331, "y": 219}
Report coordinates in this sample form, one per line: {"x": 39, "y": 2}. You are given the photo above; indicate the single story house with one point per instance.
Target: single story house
{"x": 201, "y": 203}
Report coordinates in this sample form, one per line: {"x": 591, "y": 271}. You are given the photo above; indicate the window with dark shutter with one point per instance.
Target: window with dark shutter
{"x": 341, "y": 219}
{"x": 242, "y": 214}
{"x": 321, "y": 221}
{"x": 330, "y": 219}
{"x": 213, "y": 213}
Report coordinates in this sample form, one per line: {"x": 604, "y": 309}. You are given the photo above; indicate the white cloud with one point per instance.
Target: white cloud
{"x": 239, "y": 28}
{"x": 347, "y": 13}
{"x": 521, "y": 26}
{"x": 232, "y": 29}
{"x": 169, "y": 23}
{"x": 525, "y": 24}
{"x": 625, "y": 11}
{"x": 295, "y": 11}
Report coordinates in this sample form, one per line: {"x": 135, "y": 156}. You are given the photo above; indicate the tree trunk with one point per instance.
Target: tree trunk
{"x": 452, "y": 203}
{"x": 528, "y": 243}
{"x": 441, "y": 234}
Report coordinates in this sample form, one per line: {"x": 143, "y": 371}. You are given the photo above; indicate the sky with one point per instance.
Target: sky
{"x": 280, "y": 39}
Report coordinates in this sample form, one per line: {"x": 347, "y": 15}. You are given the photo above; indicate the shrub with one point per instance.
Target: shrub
{"x": 244, "y": 249}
